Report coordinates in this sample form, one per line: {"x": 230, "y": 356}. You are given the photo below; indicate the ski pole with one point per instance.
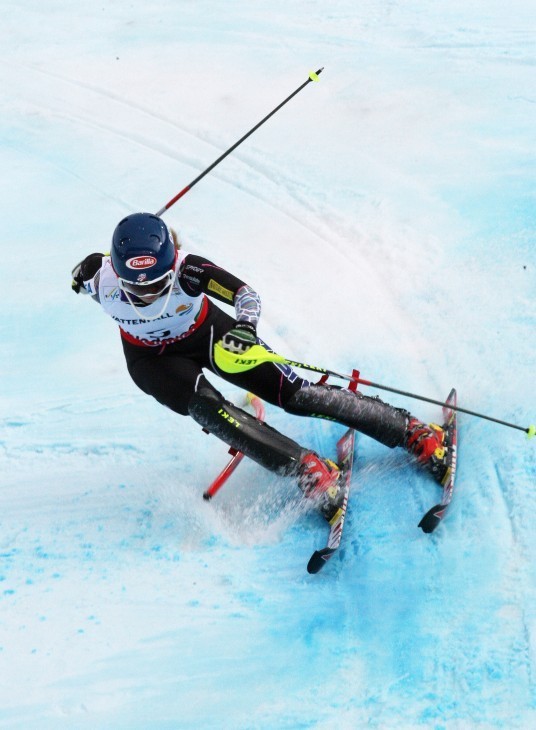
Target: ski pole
{"x": 232, "y": 363}
{"x": 313, "y": 76}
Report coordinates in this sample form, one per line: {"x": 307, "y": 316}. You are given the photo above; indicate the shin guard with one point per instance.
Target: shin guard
{"x": 244, "y": 432}
{"x": 370, "y": 416}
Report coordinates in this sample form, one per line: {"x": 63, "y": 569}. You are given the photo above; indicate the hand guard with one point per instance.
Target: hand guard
{"x": 78, "y": 280}
{"x": 85, "y": 271}
{"x": 240, "y": 338}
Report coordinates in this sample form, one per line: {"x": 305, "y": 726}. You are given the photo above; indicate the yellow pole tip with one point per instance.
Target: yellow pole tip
{"x": 314, "y": 76}
{"x": 531, "y": 432}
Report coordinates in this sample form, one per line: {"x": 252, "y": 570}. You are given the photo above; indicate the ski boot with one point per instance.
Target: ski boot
{"x": 427, "y": 444}
{"x": 319, "y": 480}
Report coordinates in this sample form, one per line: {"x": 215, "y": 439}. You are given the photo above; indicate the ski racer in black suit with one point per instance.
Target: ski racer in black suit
{"x": 161, "y": 298}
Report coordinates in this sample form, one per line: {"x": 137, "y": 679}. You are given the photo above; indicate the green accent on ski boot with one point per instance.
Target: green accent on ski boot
{"x": 531, "y": 432}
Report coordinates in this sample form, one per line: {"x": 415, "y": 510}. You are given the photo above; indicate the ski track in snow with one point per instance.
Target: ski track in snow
{"x": 400, "y": 189}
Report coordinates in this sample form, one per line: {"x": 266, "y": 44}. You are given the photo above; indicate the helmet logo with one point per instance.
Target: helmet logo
{"x": 141, "y": 262}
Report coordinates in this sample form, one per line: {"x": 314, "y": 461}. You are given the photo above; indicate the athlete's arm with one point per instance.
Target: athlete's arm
{"x": 86, "y": 275}
{"x": 199, "y": 275}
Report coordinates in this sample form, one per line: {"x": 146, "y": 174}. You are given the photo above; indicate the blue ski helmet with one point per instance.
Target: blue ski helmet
{"x": 142, "y": 249}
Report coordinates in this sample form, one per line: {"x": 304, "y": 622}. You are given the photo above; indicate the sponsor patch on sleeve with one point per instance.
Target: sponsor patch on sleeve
{"x": 221, "y": 290}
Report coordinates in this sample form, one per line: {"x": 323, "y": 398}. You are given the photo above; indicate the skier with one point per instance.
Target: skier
{"x": 159, "y": 296}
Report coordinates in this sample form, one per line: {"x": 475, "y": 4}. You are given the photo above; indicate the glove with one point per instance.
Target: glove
{"x": 78, "y": 280}
{"x": 240, "y": 338}
{"x": 85, "y": 271}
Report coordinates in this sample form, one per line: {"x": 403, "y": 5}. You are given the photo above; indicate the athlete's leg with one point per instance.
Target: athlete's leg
{"x": 389, "y": 425}
{"x": 177, "y": 382}
{"x": 244, "y": 432}
{"x": 168, "y": 377}
{"x": 275, "y": 384}
{"x": 370, "y": 416}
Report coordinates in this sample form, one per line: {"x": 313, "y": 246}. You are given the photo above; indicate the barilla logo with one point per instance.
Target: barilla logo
{"x": 141, "y": 262}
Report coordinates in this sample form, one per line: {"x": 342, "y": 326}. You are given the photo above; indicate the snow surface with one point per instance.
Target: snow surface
{"x": 387, "y": 217}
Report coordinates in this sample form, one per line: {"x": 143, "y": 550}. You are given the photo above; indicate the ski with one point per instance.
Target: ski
{"x": 434, "y": 516}
{"x": 345, "y": 460}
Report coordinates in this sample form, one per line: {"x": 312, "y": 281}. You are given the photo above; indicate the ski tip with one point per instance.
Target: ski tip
{"x": 449, "y": 406}
{"x": 531, "y": 432}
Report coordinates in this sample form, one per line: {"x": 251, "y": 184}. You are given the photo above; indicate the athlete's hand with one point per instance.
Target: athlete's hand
{"x": 78, "y": 280}
{"x": 239, "y": 339}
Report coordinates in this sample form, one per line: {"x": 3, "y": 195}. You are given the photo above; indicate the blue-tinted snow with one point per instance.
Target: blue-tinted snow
{"x": 386, "y": 216}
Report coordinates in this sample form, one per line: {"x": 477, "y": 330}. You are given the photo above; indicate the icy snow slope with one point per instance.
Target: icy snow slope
{"x": 386, "y": 216}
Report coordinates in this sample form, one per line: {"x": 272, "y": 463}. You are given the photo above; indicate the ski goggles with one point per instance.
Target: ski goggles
{"x": 152, "y": 288}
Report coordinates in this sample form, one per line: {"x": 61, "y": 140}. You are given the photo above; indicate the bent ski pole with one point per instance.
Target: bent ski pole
{"x": 313, "y": 76}
{"x": 232, "y": 363}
